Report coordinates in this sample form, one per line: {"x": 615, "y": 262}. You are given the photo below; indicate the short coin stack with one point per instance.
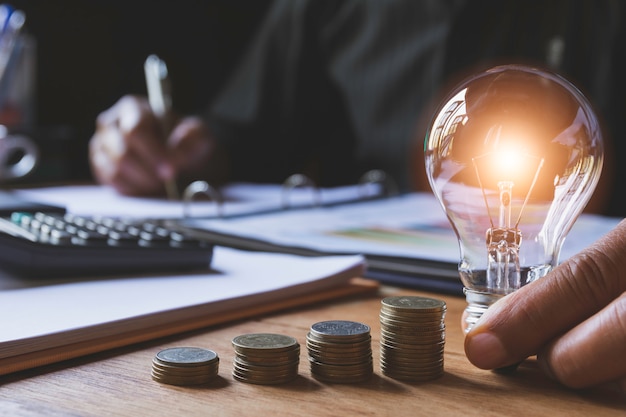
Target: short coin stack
{"x": 265, "y": 358}
{"x": 412, "y": 338}
{"x": 340, "y": 351}
{"x": 185, "y": 366}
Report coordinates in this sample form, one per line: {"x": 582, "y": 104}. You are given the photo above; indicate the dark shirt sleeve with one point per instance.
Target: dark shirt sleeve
{"x": 333, "y": 89}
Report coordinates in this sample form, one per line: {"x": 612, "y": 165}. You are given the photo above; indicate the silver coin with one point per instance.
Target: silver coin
{"x": 414, "y": 303}
{"x": 340, "y": 330}
{"x": 258, "y": 342}
{"x": 186, "y": 356}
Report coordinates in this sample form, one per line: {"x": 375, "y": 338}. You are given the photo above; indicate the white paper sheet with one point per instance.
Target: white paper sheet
{"x": 237, "y": 199}
{"x": 36, "y": 309}
{"x": 408, "y": 226}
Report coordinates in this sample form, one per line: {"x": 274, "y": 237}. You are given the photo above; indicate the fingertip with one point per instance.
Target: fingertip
{"x": 128, "y": 119}
{"x": 485, "y": 350}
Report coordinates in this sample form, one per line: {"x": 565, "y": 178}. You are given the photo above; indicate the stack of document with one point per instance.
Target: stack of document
{"x": 406, "y": 239}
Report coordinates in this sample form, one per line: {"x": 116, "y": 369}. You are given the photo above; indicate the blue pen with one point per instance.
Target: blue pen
{"x": 13, "y": 24}
{"x": 5, "y": 13}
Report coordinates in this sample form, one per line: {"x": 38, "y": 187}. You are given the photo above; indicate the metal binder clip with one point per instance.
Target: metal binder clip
{"x": 376, "y": 182}
{"x": 298, "y": 181}
{"x": 200, "y": 188}
{"x": 18, "y": 155}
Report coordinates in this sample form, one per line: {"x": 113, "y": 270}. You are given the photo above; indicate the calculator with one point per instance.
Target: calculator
{"x": 59, "y": 244}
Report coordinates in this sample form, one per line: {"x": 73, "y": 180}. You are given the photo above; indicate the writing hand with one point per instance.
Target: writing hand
{"x": 129, "y": 151}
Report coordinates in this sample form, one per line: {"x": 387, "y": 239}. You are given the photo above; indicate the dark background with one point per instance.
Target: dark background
{"x": 91, "y": 52}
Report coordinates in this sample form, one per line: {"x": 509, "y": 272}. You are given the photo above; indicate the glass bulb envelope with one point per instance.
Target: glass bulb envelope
{"x": 513, "y": 155}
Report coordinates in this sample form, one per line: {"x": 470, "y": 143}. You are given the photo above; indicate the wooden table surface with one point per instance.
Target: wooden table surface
{"x": 118, "y": 382}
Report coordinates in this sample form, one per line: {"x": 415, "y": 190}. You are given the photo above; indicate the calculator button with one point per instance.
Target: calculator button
{"x": 181, "y": 241}
{"x": 152, "y": 239}
{"x": 60, "y": 237}
{"x": 87, "y": 237}
{"x": 117, "y": 238}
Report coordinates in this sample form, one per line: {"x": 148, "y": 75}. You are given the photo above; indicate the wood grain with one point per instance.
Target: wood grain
{"x": 118, "y": 382}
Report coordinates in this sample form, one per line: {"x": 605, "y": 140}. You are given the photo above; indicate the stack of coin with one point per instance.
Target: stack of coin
{"x": 340, "y": 351}
{"x": 185, "y": 366}
{"x": 265, "y": 358}
{"x": 412, "y": 338}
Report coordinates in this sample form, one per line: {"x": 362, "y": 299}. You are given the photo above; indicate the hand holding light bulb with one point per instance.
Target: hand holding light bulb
{"x": 574, "y": 320}
{"x": 514, "y": 155}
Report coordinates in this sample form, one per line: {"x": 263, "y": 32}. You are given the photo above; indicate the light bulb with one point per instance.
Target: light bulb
{"x": 513, "y": 155}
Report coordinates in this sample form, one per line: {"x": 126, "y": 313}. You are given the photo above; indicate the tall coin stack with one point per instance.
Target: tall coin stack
{"x": 340, "y": 351}
{"x": 412, "y": 338}
{"x": 185, "y": 366}
{"x": 265, "y": 358}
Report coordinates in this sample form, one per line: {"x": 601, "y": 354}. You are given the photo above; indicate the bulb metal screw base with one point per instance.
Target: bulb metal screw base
{"x": 477, "y": 303}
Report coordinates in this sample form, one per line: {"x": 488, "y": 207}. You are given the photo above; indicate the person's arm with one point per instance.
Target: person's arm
{"x": 573, "y": 319}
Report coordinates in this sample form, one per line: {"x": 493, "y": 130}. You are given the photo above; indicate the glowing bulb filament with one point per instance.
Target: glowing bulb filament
{"x": 505, "y": 203}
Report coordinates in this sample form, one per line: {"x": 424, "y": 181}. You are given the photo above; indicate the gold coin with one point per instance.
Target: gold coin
{"x": 264, "y": 379}
{"x": 325, "y": 343}
{"x": 185, "y": 371}
{"x": 264, "y": 368}
{"x": 175, "y": 380}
